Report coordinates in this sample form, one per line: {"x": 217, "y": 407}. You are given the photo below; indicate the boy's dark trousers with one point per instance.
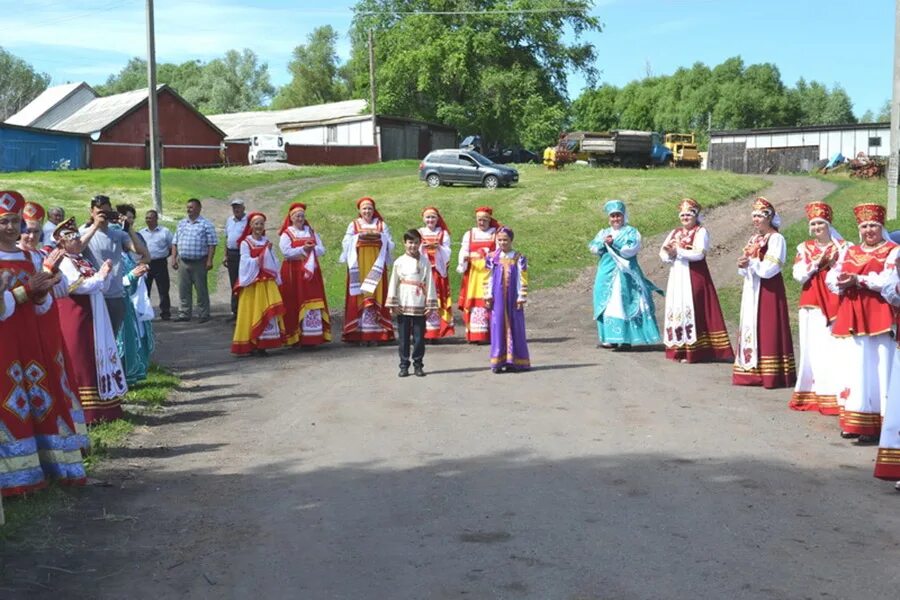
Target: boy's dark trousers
{"x": 408, "y": 325}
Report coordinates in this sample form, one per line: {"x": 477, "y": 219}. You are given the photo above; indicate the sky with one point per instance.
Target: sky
{"x": 831, "y": 41}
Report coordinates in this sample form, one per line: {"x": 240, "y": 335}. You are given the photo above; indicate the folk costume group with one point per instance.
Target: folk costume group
{"x": 286, "y": 305}
{"x": 64, "y": 365}
{"x": 66, "y": 368}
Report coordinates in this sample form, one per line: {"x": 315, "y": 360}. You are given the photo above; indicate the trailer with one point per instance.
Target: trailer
{"x": 622, "y": 147}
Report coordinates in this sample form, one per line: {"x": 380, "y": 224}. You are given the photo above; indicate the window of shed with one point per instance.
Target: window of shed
{"x": 875, "y": 142}
{"x": 332, "y": 134}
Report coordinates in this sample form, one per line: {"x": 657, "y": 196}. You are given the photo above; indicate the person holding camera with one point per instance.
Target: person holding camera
{"x": 103, "y": 243}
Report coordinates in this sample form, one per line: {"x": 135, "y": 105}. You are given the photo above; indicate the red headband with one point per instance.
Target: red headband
{"x": 440, "y": 222}
{"x": 246, "y": 233}
{"x": 287, "y": 218}
{"x": 360, "y": 202}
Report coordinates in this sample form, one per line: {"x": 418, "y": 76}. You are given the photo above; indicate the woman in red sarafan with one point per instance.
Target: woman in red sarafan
{"x": 97, "y": 368}
{"x": 765, "y": 353}
{"x": 864, "y": 322}
{"x": 306, "y": 318}
{"x": 37, "y": 434}
{"x": 694, "y": 328}
{"x": 815, "y": 389}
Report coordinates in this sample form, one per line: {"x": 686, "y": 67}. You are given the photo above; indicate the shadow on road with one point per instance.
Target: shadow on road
{"x": 510, "y": 525}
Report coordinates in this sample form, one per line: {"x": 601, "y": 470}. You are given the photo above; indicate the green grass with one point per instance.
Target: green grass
{"x": 554, "y": 213}
{"x": 148, "y": 395}
{"x": 848, "y": 194}
{"x": 73, "y": 189}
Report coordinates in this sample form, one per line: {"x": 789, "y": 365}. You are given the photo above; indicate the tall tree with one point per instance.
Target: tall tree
{"x": 595, "y": 109}
{"x": 19, "y": 84}
{"x": 480, "y": 71}
{"x": 884, "y": 114}
{"x": 838, "y": 108}
{"x": 234, "y": 83}
{"x": 184, "y": 78}
{"x": 317, "y": 76}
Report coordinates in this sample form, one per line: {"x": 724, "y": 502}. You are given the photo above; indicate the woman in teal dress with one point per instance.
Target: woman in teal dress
{"x": 135, "y": 339}
{"x": 623, "y": 301}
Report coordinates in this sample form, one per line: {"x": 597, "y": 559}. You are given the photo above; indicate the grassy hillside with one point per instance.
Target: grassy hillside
{"x": 554, "y": 213}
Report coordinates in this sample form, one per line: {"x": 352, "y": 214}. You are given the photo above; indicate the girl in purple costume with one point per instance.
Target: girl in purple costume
{"x": 505, "y": 292}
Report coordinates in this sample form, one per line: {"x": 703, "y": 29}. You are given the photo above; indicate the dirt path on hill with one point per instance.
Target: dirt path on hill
{"x": 598, "y": 475}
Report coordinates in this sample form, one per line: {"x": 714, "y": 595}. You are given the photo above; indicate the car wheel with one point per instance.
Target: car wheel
{"x": 433, "y": 180}
{"x": 491, "y": 182}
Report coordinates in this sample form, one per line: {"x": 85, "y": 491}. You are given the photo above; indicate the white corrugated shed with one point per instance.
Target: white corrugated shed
{"x": 53, "y": 105}
{"x": 355, "y": 132}
{"x": 873, "y": 139}
{"x": 243, "y": 125}
{"x": 100, "y": 112}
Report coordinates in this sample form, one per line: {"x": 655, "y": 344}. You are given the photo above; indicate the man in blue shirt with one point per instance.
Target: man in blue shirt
{"x": 234, "y": 227}
{"x": 192, "y": 256}
{"x": 104, "y": 243}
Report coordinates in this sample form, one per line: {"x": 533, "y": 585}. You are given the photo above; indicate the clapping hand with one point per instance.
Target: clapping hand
{"x": 608, "y": 240}
{"x": 847, "y": 280}
{"x": 105, "y": 268}
{"x": 54, "y": 258}
{"x": 140, "y": 270}
{"x": 5, "y": 280}
{"x": 41, "y": 282}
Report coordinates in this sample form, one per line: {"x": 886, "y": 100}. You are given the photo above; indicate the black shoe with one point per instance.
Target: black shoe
{"x": 404, "y": 372}
{"x": 867, "y": 440}
{"x": 849, "y": 436}
{"x": 203, "y": 320}
{"x": 419, "y": 371}
{"x": 166, "y": 317}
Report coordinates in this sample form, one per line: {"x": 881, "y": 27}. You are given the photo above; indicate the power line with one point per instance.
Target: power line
{"x": 511, "y": 11}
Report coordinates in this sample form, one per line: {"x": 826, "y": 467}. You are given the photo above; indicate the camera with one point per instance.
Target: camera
{"x": 111, "y": 216}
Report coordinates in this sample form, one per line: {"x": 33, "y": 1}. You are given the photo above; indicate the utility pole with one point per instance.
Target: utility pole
{"x": 893, "y": 166}
{"x": 155, "y": 181}
{"x": 372, "y": 92}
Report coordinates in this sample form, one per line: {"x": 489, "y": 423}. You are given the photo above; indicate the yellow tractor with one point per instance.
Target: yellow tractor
{"x": 684, "y": 149}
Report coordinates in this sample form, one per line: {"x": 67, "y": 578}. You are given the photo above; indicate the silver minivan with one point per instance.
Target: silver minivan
{"x": 467, "y": 167}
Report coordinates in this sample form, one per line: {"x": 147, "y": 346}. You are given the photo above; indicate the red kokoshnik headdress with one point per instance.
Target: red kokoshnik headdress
{"x": 11, "y": 203}
{"x": 287, "y": 219}
{"x": 819, "y": 211}
{"x": 869, "y": 213}
{"x": 33, "y": 212}
{"x": 440, "y": 222}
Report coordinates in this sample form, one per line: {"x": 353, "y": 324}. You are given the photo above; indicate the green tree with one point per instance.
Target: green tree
{"x": 478, "y": 72}
{"x": 19, "y": 84}
{"x": 595, "y": 109}
{"x": 838, "y": 108}
{"x": 183, "y": 78}
{"x": 884, "y": 114}
{"x": 234, "y": 83}
{"x": 317, "y": 76}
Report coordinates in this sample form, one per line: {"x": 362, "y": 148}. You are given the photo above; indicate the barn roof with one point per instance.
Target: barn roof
{"x": 246, "y": 124}
{"x": 101, "y": 113}
{"x": 46, "y": 101}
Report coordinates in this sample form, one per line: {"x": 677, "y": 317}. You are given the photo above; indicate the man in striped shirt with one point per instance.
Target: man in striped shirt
{"x": 192, "y": 256}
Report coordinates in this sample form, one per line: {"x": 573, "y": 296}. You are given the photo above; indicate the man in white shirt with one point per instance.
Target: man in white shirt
{"x": 55, "y": 216}
{"x": 159, "y": 243}
{"x": 234, "y": 227}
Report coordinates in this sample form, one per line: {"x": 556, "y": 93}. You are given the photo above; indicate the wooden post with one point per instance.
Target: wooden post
{"x": 372, "y": 93}
{"x": 155, "y": 181}
{"x": 893, "y": 166}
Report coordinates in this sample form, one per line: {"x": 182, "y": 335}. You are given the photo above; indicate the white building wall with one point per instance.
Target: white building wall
{"x": 354, "y": 133}
{"x": 848, "y": 142}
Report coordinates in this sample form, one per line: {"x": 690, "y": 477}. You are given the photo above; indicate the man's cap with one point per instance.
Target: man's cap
{"x": 237, "y": 202}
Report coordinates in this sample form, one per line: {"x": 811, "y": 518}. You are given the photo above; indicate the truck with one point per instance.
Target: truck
{"x": 266, "y": 148}
{"x": 621, "y": 147}
{"x": 684, "y": 149}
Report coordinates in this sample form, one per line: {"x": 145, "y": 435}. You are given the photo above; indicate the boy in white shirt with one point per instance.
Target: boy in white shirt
{"x": 411, "y": 297}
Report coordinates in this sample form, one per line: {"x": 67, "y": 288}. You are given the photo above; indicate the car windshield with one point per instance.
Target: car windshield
{"x": 480, "y": 159}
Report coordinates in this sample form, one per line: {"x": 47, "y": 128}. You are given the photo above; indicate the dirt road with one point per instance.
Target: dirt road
{"x": 599, "y": 475}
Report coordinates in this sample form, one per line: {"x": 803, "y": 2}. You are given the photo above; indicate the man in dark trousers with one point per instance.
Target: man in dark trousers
{"x": 234, "y": 226}
{"x": 159, "y": 242}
